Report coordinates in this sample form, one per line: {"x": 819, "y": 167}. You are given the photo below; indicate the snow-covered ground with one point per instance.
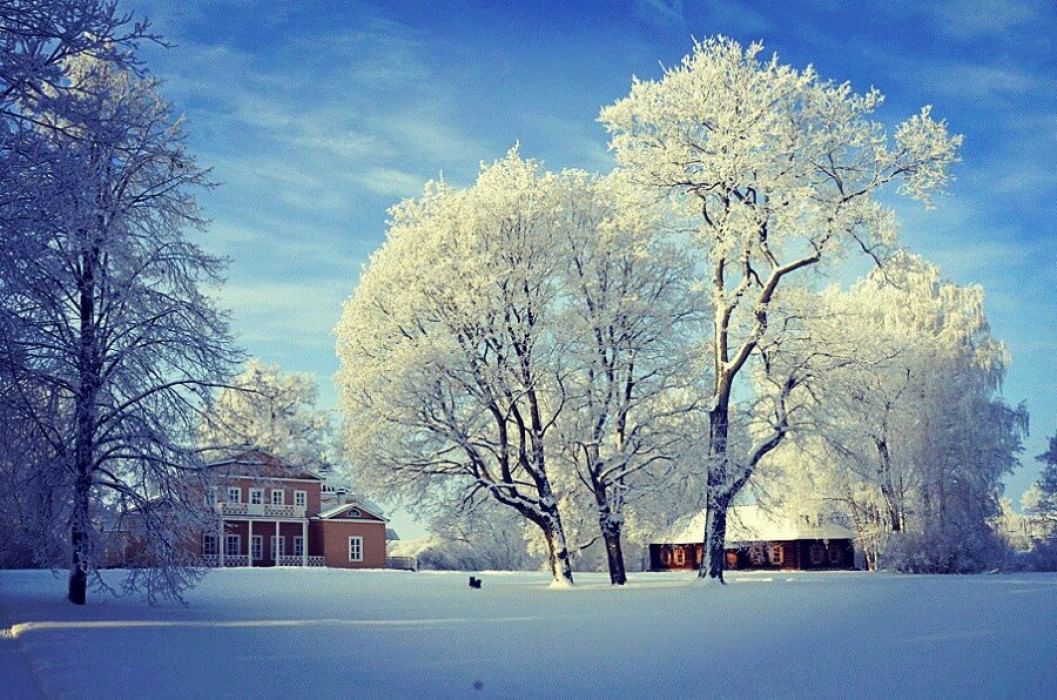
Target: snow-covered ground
{"x": 315, "y": 632}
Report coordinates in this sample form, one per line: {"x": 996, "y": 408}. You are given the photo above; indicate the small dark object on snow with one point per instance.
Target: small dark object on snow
{"x": 475, "y": 582}
{"x": 477, "y": 685}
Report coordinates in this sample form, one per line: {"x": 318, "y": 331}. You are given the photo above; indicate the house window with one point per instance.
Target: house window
{"x": 300, "y": 498}
{"x": 355, "y": 549}
{"x": 666, "y": 556}
{"x": 277, "y": 497}
{"x": 278, "y": 547}
{"x": 757, "y": 554}
{"x": 834, "y": 554}
{"x": 299, "y": 545}
{"x": 234, "y": 494}
{"x": 818, "y": 553}
{"x": 353, "y": 513}
{"x": 209, "y": 545}
{"x": 211, "y": 497}
{"x": 233, "y": 546}
{"x": 256, "y": 497}
{"x": 680, "y": 556}
{"x": 257, "y": 545}
{"x": 777, "y": 554}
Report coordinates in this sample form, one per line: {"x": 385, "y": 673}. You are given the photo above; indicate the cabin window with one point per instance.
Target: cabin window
{"x": 299, "y": 545}
{"x": 355, "y": 549}
{"x": 234, "y": 494}
{"x": 666, "y": 556}
{"x": 256, "y": 496}
{"x": 277, "y": 497}
{"x": 680, "y": 556}
{"x": 209, "y": 545}
{"x": 232, "y": 546}
{"x": 257, "y": 547}
{"x": 278, "y": 547}
{"x": 301, "y": 498}
{"x": 818, "y": 553}
{"x": 757, "y": 554}
{"x": 834, "y": 554}
{"x": 777, "y": 554}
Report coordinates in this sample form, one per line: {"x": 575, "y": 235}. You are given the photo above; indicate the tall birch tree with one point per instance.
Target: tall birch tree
{"x": 782, "y": 169}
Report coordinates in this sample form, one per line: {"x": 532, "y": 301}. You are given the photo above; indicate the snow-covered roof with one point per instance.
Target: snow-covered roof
{"x": 338, "y": 510}
{"x": 752, "y": 523}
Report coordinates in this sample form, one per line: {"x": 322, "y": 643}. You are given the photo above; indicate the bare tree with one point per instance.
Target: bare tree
{"x": 110, "y": 343}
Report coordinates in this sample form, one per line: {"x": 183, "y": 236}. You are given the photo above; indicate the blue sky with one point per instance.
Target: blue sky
{"x": 317, "y": 116}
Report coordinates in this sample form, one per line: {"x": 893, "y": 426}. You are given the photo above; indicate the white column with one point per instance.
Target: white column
{"x": 249, "y": 557}
{"x": 304, "y": 543}
{"x": 275, "y": 550}
{"x": 221, "y": 544}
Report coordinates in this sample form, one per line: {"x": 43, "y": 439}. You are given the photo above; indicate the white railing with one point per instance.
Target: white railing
{"x": 316, "y": 561}
{"x": 237, "y": 560}
{"x": 266, "y": 510}
{"x": 209, "y": 560}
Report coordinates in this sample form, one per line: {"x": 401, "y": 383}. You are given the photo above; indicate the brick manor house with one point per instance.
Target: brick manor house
{"x": 275, "y": 515}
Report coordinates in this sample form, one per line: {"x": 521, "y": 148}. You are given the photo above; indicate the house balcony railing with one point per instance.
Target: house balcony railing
{"x": 264, "y": 510}
{"x": 244, "y": 560}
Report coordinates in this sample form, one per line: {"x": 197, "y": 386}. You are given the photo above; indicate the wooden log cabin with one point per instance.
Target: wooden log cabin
{"x": 761, "y": 539}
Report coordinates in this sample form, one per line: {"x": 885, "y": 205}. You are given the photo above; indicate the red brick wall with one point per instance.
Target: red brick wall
{"x": 332, "y": 536}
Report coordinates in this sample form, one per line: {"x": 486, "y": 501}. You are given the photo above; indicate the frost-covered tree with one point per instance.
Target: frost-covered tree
{"x": 271, "y": 410}
{"x": 109, "y": 345}
{"x": 782, "y": 170}
{"x": 630, "y": 318}
{"x": 1041, "y": 500}
{"x": 449, "y": 376}
{"x": 908, "y": 431}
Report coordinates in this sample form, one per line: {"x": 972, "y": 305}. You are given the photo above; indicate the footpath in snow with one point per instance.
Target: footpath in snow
{"x": 271, "y": 633}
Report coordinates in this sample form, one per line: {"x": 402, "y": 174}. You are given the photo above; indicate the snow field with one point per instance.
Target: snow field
{"x": 305, "y": 632}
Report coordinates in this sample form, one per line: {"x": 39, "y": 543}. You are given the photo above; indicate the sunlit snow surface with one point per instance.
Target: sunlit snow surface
{"x": 305, "y": 633}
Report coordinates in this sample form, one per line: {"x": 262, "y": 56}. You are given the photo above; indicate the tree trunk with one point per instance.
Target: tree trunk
{"x": 713, "y": 560}
{"x": 84, "y": 440}
{"x": 78, "y": 586}
{"x": 558, "y": 553}
{"x": 617, "y": 574}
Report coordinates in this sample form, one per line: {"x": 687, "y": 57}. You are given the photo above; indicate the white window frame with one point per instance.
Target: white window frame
{"x": 353, "y": 513}
{"x": 680, "y": 556}
{"x": 256, "y": 497}
{"x": 257, "y": 547}
{"x": 777, "y": 554}
{"x": 301, "y": 498}
{"x": 230, "y": 551}
{"x": 357, "y": 550}
{"x": 211, "y": 497}
{"x": 282, "y": 497}
{"x": 278, "y": 547}
{"x": 209, "y": 545}
{"x": 234, "y": 494}
{"x": 299, "y": 546}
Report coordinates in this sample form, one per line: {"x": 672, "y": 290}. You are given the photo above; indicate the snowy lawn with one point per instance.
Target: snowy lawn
{"x": 314, "y": 632}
